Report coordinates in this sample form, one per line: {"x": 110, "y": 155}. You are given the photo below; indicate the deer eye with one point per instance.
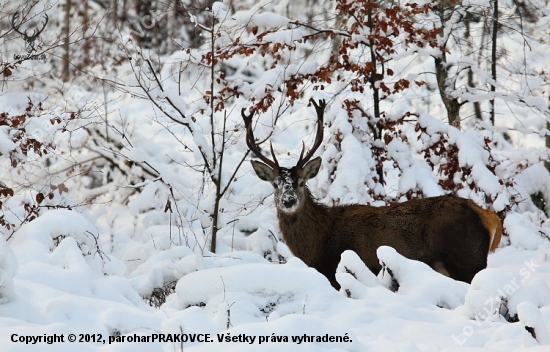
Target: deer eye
{"x": 275, "y": 185}
{"x": 301, "y": 184}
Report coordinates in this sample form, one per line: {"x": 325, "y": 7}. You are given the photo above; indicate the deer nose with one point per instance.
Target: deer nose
{"x": 289, "y": 202}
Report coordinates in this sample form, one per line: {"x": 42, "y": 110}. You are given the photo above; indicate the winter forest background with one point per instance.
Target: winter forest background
{"x": 128, "y": 206}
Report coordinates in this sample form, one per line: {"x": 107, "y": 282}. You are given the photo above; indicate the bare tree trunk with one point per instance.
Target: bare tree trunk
{"x": 547, "y": 161}
{"x": 114, "y": 14}
{"x": 471, "y": 83}
{"x": 452, "y": 104}
{"x": 66, "y": 34}
{"x": 85, "y": 26}
{"x": 477, "y": 105}
{"x": 376, "y": 101}
{"x": 442, "y": 71}
{"x": 172, "y": 26}
{"x": 215, "y": 178}
{"x": 494, "y": 57}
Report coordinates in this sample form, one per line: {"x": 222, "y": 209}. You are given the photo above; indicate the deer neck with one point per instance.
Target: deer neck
{"x": 305, "y": 231}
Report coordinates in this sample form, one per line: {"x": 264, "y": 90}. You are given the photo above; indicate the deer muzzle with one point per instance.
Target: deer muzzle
{"x": 289, "y": 201}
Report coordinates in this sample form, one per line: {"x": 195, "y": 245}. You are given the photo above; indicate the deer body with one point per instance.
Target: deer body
{"x": 431, "y": 230}
{"x": 451, "y": 234}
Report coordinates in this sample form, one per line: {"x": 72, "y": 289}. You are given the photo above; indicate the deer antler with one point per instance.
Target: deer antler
{"x": 35, "y": 33}
{"x": 13, "y": 19}
{"x": 252, "y": 144}
{"x": 320, "y": 109}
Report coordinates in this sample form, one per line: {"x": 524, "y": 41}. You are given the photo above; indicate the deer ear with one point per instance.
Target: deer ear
{"x": 263, "y": 171}
{"x": 312, "y": 168}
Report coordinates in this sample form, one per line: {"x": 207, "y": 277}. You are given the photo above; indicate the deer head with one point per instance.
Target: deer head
{"x": 288, "y": 183}
{"x": 29, "y": 38}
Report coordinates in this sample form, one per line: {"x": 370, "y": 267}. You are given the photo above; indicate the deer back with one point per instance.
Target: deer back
{"x": 451, "y": 234}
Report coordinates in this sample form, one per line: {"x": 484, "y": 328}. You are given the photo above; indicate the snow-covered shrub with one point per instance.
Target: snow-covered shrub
{"x": 27, "y": 146}
{"x": 530, "y": 316}
{"x": 8, "y": 269}
{"x": 58, "y": 232}
{"x": 264, "y": 242}
{"x": 255, "y": 291}
{"x": 418, "y": 280}
{"x": 353, "y": 275}
{"x": 499, "y": 292}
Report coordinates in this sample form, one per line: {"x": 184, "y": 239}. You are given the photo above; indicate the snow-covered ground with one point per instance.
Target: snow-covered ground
{"x": 240, "y": 302}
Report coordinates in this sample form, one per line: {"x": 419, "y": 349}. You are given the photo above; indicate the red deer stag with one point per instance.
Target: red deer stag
{"x": 453, "y": 235}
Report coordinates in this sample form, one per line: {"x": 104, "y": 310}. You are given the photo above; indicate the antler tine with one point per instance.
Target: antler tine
{"x": 13, "y": 19}
{"x": 302, "y": 152}
{"x": 273, "y": 154}
{"x": 320, "y": 109}
{"x": 247, "y": 118}
{"x": 252, "y": 144}
{"x": 45, "y": 22}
